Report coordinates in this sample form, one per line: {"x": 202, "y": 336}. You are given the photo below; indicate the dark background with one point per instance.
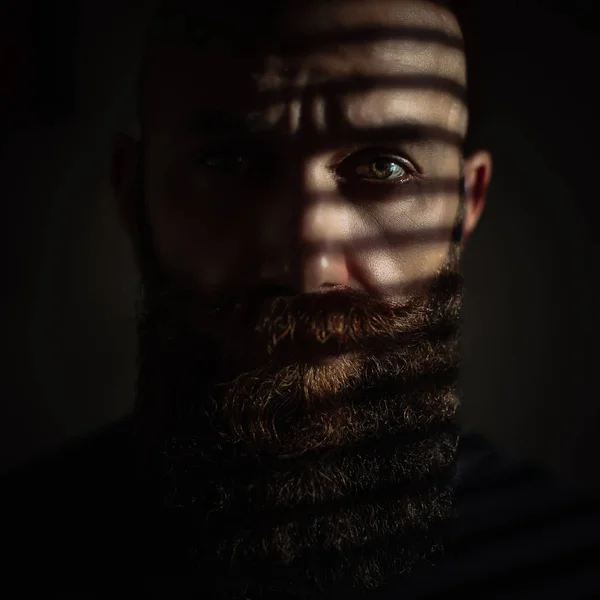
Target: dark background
{"x": 68, "y": 284}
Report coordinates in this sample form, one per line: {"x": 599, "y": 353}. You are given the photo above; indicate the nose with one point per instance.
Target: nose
{"x": 310, "y": 253}
{"x": 321, "y": 260}
{"x": 307, "y": 231}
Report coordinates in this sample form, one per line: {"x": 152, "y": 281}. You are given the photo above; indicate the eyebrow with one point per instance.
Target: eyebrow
{"x": 221, "y": 122}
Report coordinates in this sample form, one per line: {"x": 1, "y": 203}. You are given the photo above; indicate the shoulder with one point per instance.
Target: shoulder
{"x": 518, "y": 533}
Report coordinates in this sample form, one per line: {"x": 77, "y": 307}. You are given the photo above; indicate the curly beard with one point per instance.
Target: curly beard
{"x": 302, "y": 443}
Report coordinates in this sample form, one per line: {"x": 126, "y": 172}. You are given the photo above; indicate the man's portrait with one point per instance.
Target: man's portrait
{"x": 299, "y": 224}
{"x": 298, "y": 194}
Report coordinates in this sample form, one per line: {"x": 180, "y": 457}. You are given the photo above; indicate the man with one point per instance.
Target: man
{"x": 298, "y": 201}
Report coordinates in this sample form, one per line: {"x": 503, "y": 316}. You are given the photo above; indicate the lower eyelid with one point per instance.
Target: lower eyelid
{"x": 397, "y": 181}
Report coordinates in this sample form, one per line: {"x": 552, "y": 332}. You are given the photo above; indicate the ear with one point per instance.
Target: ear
{"x": 124, "y": 180}
{"x": 477, "y": 174}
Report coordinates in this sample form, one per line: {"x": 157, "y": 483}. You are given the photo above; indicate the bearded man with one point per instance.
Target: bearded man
{"x": 298, "y": 201}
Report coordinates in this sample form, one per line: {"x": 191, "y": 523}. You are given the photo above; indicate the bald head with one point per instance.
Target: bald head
{"x": 290, "y": 29}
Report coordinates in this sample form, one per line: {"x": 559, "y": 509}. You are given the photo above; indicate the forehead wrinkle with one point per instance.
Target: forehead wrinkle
{"x": 373, "y": 56}
{"x": 391, "y": 107}
{"x": 391, "y": 57}
{"x": 387, "y": 58}
{"x": 399, "y": 57}
{"x": 380, "y": 58}
{"x": 371, "y": 60}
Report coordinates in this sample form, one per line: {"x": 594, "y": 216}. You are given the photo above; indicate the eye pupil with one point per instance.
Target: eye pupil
{"x": 382, "y": 166}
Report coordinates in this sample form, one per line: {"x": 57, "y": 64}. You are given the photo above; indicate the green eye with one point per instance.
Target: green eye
{"x": 382, "y": 169}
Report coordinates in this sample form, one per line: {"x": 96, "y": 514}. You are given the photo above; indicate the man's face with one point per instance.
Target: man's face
{"x": 298, "y": 195}
{"x": 332, "y": 165}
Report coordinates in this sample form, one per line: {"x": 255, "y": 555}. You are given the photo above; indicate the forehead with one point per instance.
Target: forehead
{"x": 372, "y": 60}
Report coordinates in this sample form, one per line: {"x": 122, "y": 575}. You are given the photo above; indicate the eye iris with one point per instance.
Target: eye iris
{"x": 382, "y": 169}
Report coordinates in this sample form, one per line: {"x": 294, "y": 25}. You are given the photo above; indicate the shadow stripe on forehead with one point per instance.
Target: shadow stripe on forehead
{"x": 247, "y": 24}
{"x": 204, "y": 23}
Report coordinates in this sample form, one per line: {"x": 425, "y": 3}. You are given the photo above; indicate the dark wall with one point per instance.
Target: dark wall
{"x": 69, "y": 284}
{"x": 531, "y": 329}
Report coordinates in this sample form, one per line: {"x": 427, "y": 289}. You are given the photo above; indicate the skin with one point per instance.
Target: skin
{"x": 307, "y": 209}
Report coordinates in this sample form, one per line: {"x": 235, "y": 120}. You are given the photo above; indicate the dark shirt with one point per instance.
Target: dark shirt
{"x": 78, "y": 522}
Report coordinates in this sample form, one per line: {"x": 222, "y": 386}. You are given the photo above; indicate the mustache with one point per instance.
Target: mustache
{"x": 272, "y": 322}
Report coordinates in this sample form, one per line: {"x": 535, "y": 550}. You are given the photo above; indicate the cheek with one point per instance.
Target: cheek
{"x": 200, "y": 238}
{"x": 408, "y": 243}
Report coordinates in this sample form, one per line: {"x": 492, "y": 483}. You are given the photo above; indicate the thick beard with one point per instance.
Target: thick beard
{"x": 295, "y": 472}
